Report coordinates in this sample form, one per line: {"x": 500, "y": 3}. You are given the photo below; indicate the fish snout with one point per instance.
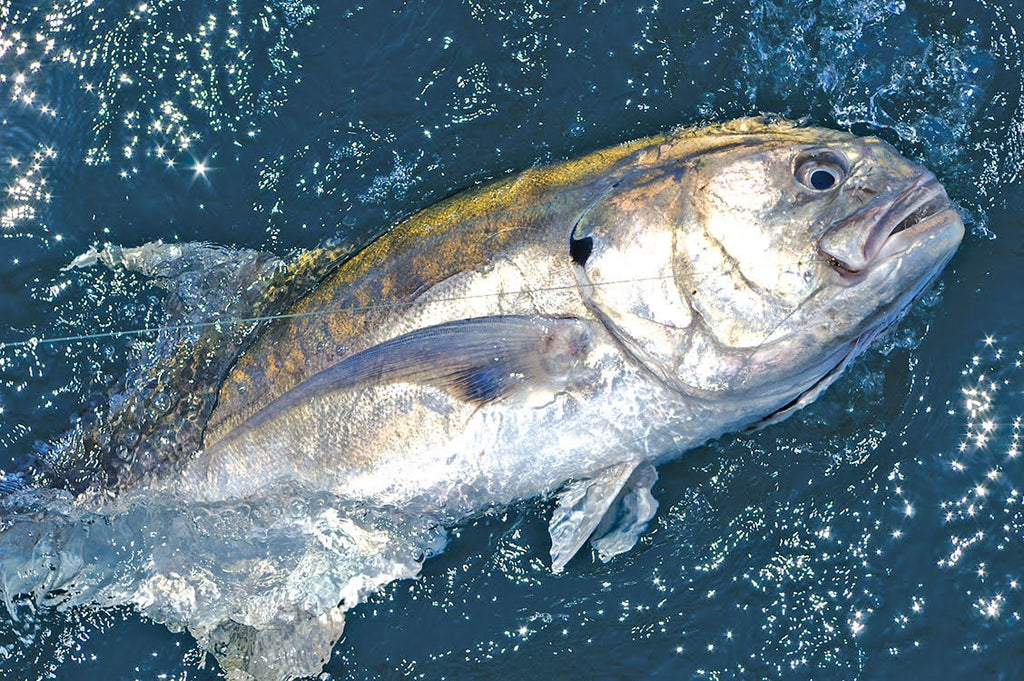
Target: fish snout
{"x": 886, "y": 225}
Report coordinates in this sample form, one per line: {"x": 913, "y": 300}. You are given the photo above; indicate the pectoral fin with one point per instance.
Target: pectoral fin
{"x": 613, "y": 506}
{"x": 628, "y": 516}
{"x": 478, "y": 360}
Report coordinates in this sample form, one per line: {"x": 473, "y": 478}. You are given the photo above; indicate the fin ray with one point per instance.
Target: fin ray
{"x": 611, "y": 509}
{"x": 478, "y": 360}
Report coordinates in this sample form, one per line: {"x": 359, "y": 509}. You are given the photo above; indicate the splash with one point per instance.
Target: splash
{"x": 943, "y": 82}
{"x": 263, "y": 583}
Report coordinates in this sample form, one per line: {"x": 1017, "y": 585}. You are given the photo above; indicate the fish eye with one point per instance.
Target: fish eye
{"x": 822, "y": 179}
{"x": 819, "y": 171}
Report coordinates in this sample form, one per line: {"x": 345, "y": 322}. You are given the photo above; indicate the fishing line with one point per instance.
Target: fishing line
{"x": 52, "y": 340}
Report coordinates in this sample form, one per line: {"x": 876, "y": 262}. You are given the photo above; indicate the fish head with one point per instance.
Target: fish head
{"x": 748, "y": 263}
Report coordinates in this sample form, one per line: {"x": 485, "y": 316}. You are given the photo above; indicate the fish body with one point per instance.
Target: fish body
{"x": 673, "y": 329}
{"x": 557, "y": 333}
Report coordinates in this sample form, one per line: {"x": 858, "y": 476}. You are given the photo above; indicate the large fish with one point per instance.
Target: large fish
{"x": 559, "y": 332}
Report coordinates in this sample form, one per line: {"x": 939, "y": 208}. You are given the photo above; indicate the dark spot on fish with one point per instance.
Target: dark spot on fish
{"x": 580, "y": 249}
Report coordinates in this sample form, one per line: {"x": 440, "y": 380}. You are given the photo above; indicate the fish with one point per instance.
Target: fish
{"x": 558, "y": 333}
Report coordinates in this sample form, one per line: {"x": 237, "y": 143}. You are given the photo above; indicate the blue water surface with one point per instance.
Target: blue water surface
{"x": 878, "y": 534}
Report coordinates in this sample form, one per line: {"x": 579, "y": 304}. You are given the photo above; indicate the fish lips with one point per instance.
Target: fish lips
{"x": 889, "y": 225}
{"x": 919, "y": 216}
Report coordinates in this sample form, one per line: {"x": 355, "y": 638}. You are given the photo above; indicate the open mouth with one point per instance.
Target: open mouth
{"x": 886, "y": 226}
{"x": 930, "y": 207}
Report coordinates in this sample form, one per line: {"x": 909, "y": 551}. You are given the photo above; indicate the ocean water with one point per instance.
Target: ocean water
{"x": 877, "y": 534}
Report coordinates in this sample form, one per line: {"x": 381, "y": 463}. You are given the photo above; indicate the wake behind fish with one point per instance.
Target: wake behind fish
{"x": 265, "y": 580}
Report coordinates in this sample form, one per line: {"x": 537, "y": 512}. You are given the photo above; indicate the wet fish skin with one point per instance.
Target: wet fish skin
{"x": 707, "y": 300}
{"x": 560, "y": 332}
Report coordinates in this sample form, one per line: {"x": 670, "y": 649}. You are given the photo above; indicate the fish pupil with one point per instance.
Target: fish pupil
{"x": 822, "y": 179}
{"x": 580, "y": 249}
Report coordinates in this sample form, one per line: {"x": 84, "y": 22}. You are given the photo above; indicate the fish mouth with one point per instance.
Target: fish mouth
{"x": 897, "y": 221}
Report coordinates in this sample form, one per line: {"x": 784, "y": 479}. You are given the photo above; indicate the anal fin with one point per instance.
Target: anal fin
{"x": 611, "y": 509}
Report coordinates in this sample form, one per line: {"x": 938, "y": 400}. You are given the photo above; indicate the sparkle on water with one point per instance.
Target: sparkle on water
{"x": 877, "y": 534}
